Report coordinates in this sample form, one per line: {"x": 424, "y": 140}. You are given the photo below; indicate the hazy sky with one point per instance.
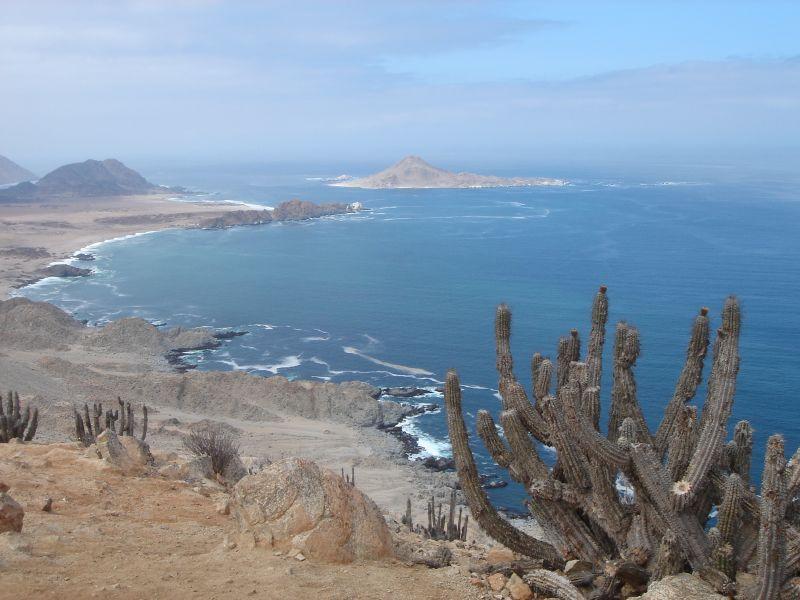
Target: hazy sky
{"x": 327, "y": 81}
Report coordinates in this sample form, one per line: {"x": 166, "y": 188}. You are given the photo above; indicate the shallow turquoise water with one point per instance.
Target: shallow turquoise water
{"x": 398, "y": 295}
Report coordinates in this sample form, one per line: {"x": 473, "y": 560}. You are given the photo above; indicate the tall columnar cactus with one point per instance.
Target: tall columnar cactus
{"x": 93, "y": 422}
{"x": 16, "y": 422}
{"x": 677, "y": 475}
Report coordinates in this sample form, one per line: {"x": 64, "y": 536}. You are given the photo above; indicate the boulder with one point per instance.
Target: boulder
{"x": 294, "y": 504}
{"x": 498, "y": 555}
{"x": 680, "y": 587}
{"x": 518, "y": 589}
{"x": 496, "y": 581}
{"x": 11, "y": 513}
{"x": 112, "y": 451}
{"x": 137, "y": 450}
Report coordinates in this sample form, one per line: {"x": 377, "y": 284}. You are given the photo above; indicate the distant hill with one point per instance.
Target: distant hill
{"x": 413, "y": 172}
{"x": 11, "y": 172}
{"x": 90, "y": 178}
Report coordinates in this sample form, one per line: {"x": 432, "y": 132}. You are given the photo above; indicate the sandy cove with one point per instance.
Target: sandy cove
{"x": 34, "y": 234}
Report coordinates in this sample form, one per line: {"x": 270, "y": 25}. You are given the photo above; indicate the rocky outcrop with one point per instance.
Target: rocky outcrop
{"x": 294, "y": 504}
{"x": 31, "y": 325}
{"x": 292, "y": 210}
{"x": 11, "y": 513}
{"x": 137, "y": 335}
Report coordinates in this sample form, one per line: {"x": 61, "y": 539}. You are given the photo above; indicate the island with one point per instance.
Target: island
{"x": 412, "y": 172}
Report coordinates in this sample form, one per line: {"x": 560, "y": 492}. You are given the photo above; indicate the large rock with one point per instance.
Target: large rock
{"x": 11, "y": 513}
{"x": 126, "y": 453}
{"x": 680, "y": 587}
{"x": 296, "y": 504}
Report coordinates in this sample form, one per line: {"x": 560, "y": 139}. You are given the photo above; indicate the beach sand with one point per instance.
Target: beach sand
{"x": 33, "y": 234}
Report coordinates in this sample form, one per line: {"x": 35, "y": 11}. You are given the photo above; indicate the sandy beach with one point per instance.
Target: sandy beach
{"x": 34, "y": 234}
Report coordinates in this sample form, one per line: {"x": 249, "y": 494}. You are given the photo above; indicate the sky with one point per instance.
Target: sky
{"x": 325, "y": 81}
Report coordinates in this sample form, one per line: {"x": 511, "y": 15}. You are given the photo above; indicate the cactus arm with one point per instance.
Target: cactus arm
{"x": 719, "y": 403}
{"x": 771, "y": 539}
{"x": 593, "y": 444}
{"x": 33, "y": 425}
{"x": 552, "y": 585}
{"x": 728, "y": 526}
{"x": 482, "y": 510}
{"x": 502, "y": 337}
{"x": 655, "y": 480}
{"x": 670, "y": 558}
{"x": 525, "y": 457}
{"x": 793, "y": 484}
{"x": 689, "y": 379}
{"x": 543, "y": 376}
{"x": 569, "y": 351}
{"x": 597, "y": 338}
{"x": 570, "y": 458}
{"x": 487, "y": 431}
{"x": 682, "y": 442}
{"x": 623, "y": 391}
{"x": 144, "y": 422}
{"x": 517, "y": 399}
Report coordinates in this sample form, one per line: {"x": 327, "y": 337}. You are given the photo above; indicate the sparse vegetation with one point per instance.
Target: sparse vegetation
{"x": 440, "y": 526}
{"x": 121, "y": 421}
{"x": 676, "y": 475}
{"x": 215, "y": 441}
{"x": 16, "y": 422}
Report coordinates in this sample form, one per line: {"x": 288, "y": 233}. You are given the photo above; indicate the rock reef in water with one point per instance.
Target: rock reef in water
{"x": 293, "y": 210}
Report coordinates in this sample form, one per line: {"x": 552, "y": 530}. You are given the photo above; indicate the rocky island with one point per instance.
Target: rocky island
{"x": 414, "y": 172}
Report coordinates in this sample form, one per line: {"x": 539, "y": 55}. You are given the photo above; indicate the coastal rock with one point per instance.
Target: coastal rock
{"x": 11, "y": 513}
{"x": 135, "y": 335}
{"x": 296, "y": 504}
{"x": 292, "y": 210}
{"x": 404, "y": 392}
{"x": 84, "y": 256}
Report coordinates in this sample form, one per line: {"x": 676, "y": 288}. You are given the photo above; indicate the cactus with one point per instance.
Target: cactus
{"x": 677, "y": 474}
{"x": 771, "y": 555}
{"x": 15, "y": 422}
{"x": 93, "y": 422}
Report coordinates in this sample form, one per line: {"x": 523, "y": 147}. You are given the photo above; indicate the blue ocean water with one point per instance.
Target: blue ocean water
{"x": 399, "y": 294}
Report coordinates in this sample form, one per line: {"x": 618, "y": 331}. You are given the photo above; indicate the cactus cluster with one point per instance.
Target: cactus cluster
{"x": 16, "y": 422}
{"x": 675, "y": 476}
{"x": 89, "y": 424}
{"x": 440, "y": 526}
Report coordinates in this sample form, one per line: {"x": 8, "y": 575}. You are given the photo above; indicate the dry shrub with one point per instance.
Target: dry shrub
{"x": 215, "y": 441}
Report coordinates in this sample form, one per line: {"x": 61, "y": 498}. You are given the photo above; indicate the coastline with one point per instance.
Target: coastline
{"x": 40, "y": 235}
{"x": 36, "y": 235}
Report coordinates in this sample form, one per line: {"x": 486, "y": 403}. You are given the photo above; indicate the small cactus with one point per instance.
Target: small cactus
{"x": 93, "y": 422}
{"x": 16, "y": 422}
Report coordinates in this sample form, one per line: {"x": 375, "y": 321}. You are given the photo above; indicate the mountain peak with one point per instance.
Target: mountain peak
{"x": 11, "y": 172}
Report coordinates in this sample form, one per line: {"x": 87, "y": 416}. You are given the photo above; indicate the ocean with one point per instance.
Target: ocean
{"x": 400, "y": 293}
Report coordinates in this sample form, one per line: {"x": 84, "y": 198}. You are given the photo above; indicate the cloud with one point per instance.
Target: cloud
{"x": 310, "y": 79}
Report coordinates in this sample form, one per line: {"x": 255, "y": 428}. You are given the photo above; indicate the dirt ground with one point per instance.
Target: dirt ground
{"x": 116, "y": 536}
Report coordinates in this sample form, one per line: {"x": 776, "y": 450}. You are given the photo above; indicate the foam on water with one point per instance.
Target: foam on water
{"x": 415, "y": 371}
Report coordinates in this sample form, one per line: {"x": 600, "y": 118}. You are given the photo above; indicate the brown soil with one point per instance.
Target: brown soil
{"x": 115, "y": 536}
